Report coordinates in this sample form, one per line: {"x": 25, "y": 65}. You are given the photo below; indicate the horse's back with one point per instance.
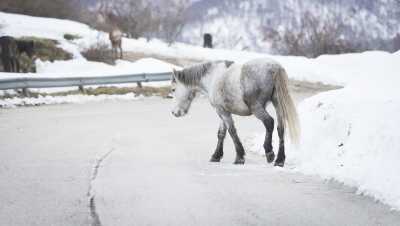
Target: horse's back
{"x": 258, "y": 80}
{"x": 263, "y": 68}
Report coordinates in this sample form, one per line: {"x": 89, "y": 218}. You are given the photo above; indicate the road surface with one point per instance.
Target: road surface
{"x": 141, "y": 166}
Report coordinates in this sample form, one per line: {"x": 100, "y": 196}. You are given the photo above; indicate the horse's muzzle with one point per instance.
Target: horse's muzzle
{"x": 179, "y": 113}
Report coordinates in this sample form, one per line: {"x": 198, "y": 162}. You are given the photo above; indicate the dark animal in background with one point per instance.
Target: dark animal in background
{"x": 9, "y": 54}
{"x": 116, "y": 43}
{"x": 26, "y": 46}
{"x": 208, "y": 41}
{"x": 11, "y": 50}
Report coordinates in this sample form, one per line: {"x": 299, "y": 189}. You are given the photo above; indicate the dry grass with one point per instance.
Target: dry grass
{"x": 145, "y": 91}
{"x": 109, "y": 90}
{"x": 99, "y": 52}
{"x": 45, "y": 50}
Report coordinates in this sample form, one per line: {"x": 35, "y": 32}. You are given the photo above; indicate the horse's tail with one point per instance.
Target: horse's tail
{"x": 286, "y": 108}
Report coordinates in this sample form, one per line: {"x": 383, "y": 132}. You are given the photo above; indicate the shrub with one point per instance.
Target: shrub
{"x": 314, "y": 38}
{"x": 71, "y": 37}
{"x": 142, "y": 18}
{"x": 99, "y": 52}
{"x": 45, "y": 50}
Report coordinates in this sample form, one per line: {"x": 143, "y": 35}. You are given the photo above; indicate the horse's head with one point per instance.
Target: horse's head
{"x": 183, "y": 95}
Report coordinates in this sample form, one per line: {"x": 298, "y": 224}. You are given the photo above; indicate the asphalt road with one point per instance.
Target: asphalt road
{"x": 142, "y": 166}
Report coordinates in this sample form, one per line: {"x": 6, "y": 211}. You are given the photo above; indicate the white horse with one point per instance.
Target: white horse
{"x": 241, "y": 89}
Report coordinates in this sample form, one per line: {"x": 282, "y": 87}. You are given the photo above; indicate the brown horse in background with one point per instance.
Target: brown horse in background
{"x": 116, "y": 43}
{"x": 11, "y": 50}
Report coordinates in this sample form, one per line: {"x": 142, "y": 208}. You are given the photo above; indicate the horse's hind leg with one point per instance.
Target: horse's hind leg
{"x": 227, "y": 118}
{"x": 13, "y": 65}
{"x": 219, "y": 151}
{"x": 259, "y": 111}
{"x": 17, "y": 65}
{"x": 280, "y": 160}
{"x": 7, "y": 65}
{"x": 121, "y": 52}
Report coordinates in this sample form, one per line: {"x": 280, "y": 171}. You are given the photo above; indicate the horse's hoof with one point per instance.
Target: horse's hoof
{"x": 239, "y": 161}
{"x": 270, "y": 156}
{"x": 280, "y": 164}
{"x": 215, "y": 159}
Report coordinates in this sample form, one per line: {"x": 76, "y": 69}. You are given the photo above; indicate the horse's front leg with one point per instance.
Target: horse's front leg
{"x": 227, "y": 118}
{"x": 219, "y": 151}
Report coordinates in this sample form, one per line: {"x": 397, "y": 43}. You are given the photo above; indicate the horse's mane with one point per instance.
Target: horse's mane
{"x": 192, "y": 75}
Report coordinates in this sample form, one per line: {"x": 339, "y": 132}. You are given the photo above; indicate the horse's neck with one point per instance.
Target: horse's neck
{"x": 209, "y": 81}
{"x": 115, "y": 34}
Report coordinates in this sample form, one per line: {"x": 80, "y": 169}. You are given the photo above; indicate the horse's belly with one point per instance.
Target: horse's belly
{"x": 239, "y": 109}
{"x": 228, "y": 94}
{"x": 233, "y": 100}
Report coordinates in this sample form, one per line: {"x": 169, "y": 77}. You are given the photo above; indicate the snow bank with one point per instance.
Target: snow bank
{"x": 76, "y": 99}
{"x": 351, "y": 134}
{"x": 20, "y": 25}
{"x": 82, "y": 67}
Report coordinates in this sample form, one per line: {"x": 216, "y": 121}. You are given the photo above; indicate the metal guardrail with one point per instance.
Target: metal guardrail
{"x": 25, "y": 83}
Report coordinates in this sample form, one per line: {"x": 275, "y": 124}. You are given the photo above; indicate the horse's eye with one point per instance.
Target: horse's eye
{"x": 173, "y": 89}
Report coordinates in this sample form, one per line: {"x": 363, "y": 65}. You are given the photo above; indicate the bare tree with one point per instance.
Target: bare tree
{"x": 173, "y": 19}
{"x": 315, "y": 37}
{"x": 142, "y": 18}
{"x": 134, "y": 17}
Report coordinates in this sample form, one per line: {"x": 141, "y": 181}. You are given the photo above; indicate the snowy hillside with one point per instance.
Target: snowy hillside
{"x": 251, "y": 18}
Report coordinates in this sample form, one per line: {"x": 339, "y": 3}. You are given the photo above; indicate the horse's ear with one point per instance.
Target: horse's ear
{"x": 228, "y": 63}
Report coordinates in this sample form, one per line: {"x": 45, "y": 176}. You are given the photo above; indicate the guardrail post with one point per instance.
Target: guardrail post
{"x": 25, "y": 92}
{"x": 82, "y": 89}
{"x": 139, "y": 84}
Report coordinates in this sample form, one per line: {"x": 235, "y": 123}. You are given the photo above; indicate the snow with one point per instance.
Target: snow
{"x": 82, "y": 67}
{"x": 20, "y": 25}
{"x": 68, "y": 99}
{"x": 351, "y": 134}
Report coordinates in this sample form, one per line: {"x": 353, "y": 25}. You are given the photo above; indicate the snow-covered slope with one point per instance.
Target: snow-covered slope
{"x": 351, "y": 134}
{"x": 20, "y": 25}
{"x": 55, "y": 29}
